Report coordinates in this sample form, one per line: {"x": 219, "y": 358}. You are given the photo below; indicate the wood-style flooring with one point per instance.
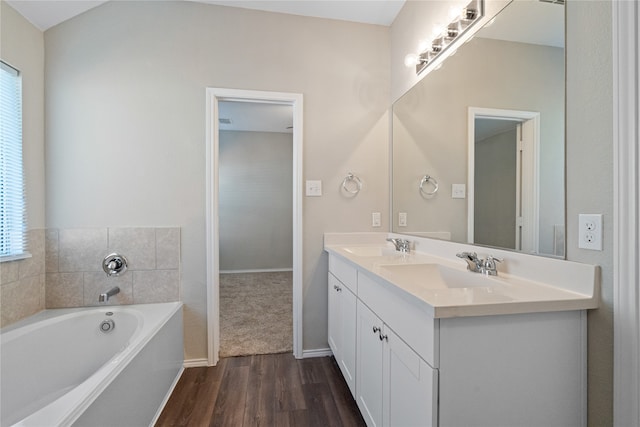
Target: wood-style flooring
{"x": 262, "y": 390}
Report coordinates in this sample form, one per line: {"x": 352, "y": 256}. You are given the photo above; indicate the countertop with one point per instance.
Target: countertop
{"x": 486, "y": 295}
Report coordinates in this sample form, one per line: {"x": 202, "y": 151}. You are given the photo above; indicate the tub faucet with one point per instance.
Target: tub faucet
{"x": 401, "y": 245}
{"x": 111, "y": 292}
{"x": 478, "y": 265}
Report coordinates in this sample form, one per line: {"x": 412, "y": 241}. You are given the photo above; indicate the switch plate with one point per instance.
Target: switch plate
{"x": 458, "y": 191}
{"x": 590, "y": 231}
{"x": 314, "y": 188}
{"x": 375, "y": 219}
{"x": 402, "y": 219}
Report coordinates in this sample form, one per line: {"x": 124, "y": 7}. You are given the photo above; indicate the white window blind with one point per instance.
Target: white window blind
{"x": 12, "y": 201}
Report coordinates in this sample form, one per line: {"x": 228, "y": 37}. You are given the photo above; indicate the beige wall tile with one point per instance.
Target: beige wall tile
{"x": 34, "y": 265}
{"x": 9, "y": 272}
{"x": 51, "y": 250}
{"x": 138, "y": 245}
{"x": 82, "y": 249}
{"x": 20, "y": 299}
{"x": 156, "y": 286}
{"x": 64, "y": 290}
{"x": 167, "y": 248}
{"x": 97, "y": 283}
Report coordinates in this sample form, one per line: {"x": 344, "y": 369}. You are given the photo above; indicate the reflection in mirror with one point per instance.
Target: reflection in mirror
{"x": 490, "y": 192}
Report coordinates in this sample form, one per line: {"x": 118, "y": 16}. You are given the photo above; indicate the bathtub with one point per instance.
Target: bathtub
{"x": 103, "y": 366}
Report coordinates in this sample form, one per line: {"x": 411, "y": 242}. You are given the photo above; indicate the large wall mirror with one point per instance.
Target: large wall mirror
{"x": 478, "y": 145}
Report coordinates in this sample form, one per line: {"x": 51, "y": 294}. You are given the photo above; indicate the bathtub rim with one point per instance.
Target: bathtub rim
{"x": 68, "y": 407}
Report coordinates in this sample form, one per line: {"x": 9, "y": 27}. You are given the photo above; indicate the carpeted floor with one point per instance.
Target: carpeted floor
{"x": 256, "y": 313}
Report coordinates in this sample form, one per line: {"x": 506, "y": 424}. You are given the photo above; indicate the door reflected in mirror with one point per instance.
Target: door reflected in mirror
{"x": 446, "y": 127}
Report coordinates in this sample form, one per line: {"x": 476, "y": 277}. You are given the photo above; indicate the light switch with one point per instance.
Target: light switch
{"x": 314, "y": 188}
{"x": 458, "y": 191}
{"x": 375, "y": 219}
{"x": 402, "y": 219}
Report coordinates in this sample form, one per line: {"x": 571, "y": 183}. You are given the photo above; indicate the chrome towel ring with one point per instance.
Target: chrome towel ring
{"x": 352, "y": 184}
{"x": 433, "y": 182}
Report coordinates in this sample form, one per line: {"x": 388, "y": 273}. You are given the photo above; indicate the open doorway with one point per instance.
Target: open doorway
{"x": 235, "y": 183}
{"x": 255, "y": 182}
{"x": 503, "y": 179}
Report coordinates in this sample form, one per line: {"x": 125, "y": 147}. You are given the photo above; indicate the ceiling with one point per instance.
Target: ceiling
{"x": 45, "y": 14}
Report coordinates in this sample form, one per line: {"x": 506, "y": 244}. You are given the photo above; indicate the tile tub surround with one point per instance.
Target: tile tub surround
{"x": 22, "y": 282}
{"x": 74, "y": 275}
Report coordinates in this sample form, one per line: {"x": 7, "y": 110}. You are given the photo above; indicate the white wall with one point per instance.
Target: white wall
{"x": 255, "y": 200}
{"x": 126, "y": 125}
{"x": 590, "y": 178}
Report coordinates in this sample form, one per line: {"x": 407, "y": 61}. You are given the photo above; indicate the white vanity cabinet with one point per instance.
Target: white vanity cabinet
{"x": 406, "y": 367}
{"x": 395, "y": 387}
{"x": 342, "y": 324}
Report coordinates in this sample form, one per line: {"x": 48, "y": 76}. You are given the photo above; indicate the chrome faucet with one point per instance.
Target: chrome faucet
{"x": 401, "y": 245}
{"x": 478, "y": 265}
{"x": 111, "y": 292}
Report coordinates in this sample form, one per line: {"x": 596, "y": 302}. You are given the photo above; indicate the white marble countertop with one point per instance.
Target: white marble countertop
{"x": 463, "y": 293}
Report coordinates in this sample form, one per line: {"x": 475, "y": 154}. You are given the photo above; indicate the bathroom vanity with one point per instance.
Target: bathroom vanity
{"x": 421, "y": 341}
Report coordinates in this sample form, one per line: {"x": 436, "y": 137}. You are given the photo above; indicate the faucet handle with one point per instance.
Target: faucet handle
{"x": 489, "y": 265}
{"x": 472, "y": 256}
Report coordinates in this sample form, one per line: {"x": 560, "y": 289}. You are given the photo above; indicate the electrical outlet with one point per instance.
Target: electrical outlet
{"x": 375, "y": 219}
{"x": 590, "y": 231}
{"x": 402, "y": 219}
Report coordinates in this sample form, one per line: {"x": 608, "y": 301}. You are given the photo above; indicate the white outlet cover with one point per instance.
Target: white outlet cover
{"x": 313, "y": 188}
{"x": 376, "y": 219}
{"x": 590, "y": 231}
{"x": 458, "y": 191}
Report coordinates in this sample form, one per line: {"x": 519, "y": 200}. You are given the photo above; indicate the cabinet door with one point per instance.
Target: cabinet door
{"x": 369, "y": 366}
{"x": 348, "y": 317}
{"x": 410, "y": 385}
{"x": 334, "y": 317}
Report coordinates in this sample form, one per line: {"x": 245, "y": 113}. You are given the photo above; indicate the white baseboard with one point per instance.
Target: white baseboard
{"x": 196, "y": 363}
{"x": 259, "y": 270}
{"x": 318, "y": 352}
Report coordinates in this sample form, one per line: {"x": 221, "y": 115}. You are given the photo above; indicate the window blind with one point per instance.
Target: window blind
{"x": 12, "y": 201}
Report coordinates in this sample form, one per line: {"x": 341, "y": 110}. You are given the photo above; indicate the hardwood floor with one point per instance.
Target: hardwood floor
{"x": 263, "y": 390}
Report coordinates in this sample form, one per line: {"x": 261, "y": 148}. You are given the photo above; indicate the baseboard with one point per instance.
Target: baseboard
{"x": 318, "y": 352}
{"x": 195, "y": 363}
{"x": 260, "y": 270}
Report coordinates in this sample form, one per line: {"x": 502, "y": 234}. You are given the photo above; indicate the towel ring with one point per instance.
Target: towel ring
{"x": 433, "y": 181}
{"x": 352, "y": 178}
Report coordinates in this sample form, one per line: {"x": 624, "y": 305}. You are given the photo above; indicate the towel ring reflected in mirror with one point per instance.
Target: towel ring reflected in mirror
{"x": 428, "y": 179}
{"x": 352, "y": 184}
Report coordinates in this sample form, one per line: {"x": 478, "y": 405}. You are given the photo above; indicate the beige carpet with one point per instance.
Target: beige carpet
{"x": 256, "y": 313}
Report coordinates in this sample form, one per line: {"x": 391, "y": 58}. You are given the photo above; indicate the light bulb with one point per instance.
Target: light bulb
{"x": 437, "y": 30}
{"x": 411, "y": 59}
{"x": 454, "y": 13}
{"x": 424, "y": 45}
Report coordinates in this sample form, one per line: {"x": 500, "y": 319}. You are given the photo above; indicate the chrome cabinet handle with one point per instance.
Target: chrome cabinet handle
{"x": 376, "y": 330}
{"x": 337, "y": 288}
{"x": 383, "y": 337}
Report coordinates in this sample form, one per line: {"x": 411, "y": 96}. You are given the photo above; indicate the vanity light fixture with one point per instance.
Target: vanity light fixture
{"x": 461, "y": 21}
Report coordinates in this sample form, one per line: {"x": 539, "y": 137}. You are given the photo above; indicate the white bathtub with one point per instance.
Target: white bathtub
{"x": 58, "y": 369}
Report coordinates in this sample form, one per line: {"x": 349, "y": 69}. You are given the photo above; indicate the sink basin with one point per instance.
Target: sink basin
{"x": 371, "y": 251}
{"x": 435, "y": 276}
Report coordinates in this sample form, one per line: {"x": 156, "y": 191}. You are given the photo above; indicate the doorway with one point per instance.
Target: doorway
{"x": 503, "y": 179}
{"x": 240, "y": 241}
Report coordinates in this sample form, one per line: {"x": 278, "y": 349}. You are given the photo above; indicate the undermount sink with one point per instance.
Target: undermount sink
{"x": 435, "y": 276}
{"x": 366, "y": 251}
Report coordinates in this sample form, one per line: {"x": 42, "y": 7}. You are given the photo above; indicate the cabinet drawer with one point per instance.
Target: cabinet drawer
{"x": 417, "y": 328}
{"x": 344, "y": 272}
